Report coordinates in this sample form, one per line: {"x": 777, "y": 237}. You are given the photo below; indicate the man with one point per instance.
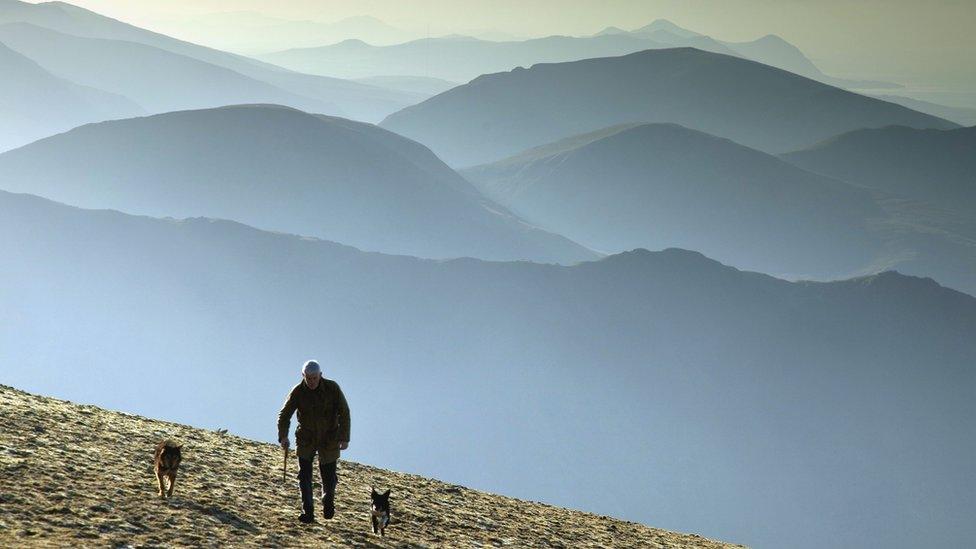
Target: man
{"x": 323, "y": 428}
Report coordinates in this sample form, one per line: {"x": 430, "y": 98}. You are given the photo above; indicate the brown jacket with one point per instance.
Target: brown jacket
{"x": 323, "y": 419}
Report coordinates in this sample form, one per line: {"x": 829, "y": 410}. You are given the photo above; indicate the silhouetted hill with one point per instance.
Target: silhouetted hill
{"x": 356, "y": 100}
{"x": 659, "y": 25}
{"x": 498, "y": 115}
{"x": 110, "y": 501}
{"x": 34, "y": 103}
{"x": 959, "y": 115}
{"x": 773, "y": 50}
{"x": 931, "y": 165}
{"x": 662, "y": 185}
{"x": 285, "y": 170}
{"x": 656, "y": 386}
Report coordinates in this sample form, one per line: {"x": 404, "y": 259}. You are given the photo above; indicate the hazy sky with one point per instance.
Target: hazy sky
{"x": 913, "y": 41}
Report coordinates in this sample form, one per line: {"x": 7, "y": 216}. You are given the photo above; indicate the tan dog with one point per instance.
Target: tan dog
{"x": 168, "y": 457}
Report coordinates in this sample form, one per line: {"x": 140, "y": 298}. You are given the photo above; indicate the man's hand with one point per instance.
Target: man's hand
{"x": 284, "y": 442}
{"x": 343, "y": 444}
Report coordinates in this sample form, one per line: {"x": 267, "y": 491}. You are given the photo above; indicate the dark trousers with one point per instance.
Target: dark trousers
{"x": 329, "y": 481}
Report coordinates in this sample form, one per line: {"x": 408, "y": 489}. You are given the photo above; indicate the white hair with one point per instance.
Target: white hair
{"x": 311, "y": 367}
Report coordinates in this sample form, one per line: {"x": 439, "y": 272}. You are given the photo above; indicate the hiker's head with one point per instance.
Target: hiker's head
{"x": 312, "y": 374}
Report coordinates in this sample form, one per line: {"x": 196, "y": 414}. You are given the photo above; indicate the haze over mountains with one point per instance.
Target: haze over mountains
{"x": 156, "y": 79}
{"x": 251, "y": 32}
{"x": 284, "y": 170}
{"x": 498, "y": 115}
{"x": 662, "y": 185}
{"x": 773, "y": 413}
{"x": 931, "y": 165}
{"x": 359, "y": 101}
{"x": 664, "y": 387}
{"x": 455, "y": 58}
{"x": 417, "y": 84}
{"x": 461, "y": 58}
{"x": 770, "y": 50}
{"x": 34, "y": 103}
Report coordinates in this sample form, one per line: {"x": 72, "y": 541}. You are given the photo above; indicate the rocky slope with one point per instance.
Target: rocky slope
{"x": 73, "y": 475}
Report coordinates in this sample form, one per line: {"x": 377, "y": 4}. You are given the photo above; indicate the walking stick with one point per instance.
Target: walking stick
{"x": 284, "y": 466}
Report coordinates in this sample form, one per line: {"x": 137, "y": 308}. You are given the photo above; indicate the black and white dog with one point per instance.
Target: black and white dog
{"x": 380, "y": 514}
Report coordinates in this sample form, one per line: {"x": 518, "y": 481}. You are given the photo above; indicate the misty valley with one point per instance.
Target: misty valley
{"x": 696, "y": 284}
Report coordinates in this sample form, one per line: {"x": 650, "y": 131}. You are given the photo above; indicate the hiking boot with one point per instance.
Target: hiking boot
{"x": 328, "y": 506}
{"x": 306, "y": 518}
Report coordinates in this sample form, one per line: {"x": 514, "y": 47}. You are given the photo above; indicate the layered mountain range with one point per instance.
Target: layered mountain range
{"x": 498, "y": 115}
{"x": 285, "y": 170}
{"x": 170, "y": 252}
{"x": 155, "y": 73}
{"x": 661, "y": 185}
{"x": 662, "y": 387}
{"x": 34, "y": 103}
{"x": 461, "y": 58}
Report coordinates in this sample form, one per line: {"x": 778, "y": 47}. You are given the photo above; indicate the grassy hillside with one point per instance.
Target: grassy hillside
{"x": 73, "y": 475}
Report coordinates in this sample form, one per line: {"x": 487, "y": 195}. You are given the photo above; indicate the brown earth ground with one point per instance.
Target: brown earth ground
{"x": 81, "y": 476}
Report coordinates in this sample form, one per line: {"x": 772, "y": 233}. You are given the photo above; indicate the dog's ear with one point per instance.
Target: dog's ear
{"x": 386, "y": 494}
{"x": 373, "y": 491}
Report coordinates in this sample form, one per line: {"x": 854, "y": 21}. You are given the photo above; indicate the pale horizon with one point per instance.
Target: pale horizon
{"x": 928, "y": 48}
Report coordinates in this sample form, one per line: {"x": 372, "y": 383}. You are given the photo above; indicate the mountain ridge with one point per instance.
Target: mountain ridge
{"x": 361, "y": 101}
{"x": 933, "y": 165}
{"x": 281, "y": 169}
{"x": 359, "y": 59}
{"x": 177, "y": 82}
{"x": 35, "y": 103}
{"x": 497, "y": 115}
{"x": 660, "y": 184}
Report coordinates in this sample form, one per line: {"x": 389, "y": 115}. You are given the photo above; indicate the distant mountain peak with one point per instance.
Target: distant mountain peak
{"x": 354, "y": 42}
{"x": 672, "y": 257}
{"x": 611, "y": 31}
{"x": 772, "y": 38}
{"x": 666, "y": 25}
{"x": 904, "y": 284}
